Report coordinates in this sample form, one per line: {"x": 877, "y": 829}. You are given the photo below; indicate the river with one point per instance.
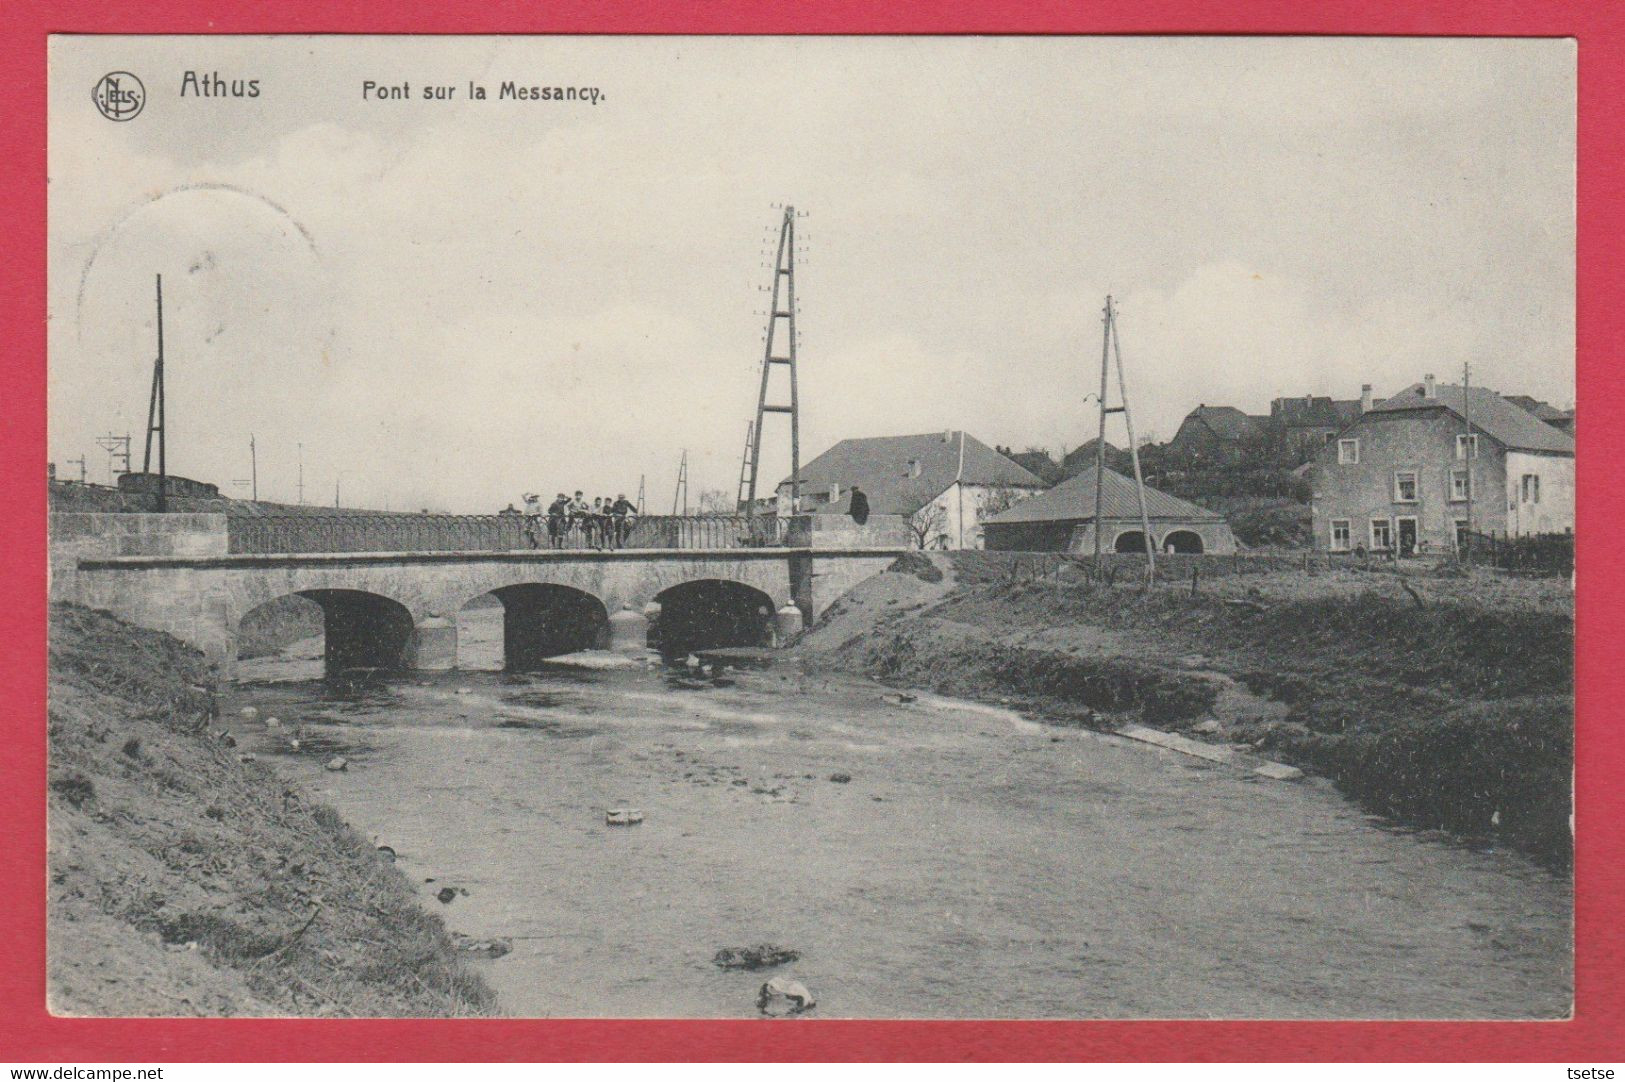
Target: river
{"x": 976, "y": 865}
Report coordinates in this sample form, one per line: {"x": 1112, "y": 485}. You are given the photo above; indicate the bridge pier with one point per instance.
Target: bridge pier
{"x": 433, "y": 647}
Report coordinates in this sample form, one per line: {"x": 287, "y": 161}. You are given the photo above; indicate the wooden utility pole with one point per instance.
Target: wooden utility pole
{"x": 253, "y": 469}
{"x": 1467, "y": 452}
{"x": 1100, "y": 438}
{"x": 155, "y": 409}
{"x": 1111, "y": 347}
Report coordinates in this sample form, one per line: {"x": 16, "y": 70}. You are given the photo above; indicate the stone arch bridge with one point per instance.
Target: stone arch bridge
{"x": 399, "y": 609}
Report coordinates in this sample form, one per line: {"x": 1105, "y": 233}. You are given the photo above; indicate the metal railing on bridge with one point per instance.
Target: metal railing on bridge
{"x": 495, "y": 533}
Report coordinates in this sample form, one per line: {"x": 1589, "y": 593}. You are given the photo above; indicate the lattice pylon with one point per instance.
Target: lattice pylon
{"x": 781, "y": 333}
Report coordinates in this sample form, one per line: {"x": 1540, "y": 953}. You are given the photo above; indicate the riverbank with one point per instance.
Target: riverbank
{"x": 1443, "y": 701}
{"x": 185, "y": 880}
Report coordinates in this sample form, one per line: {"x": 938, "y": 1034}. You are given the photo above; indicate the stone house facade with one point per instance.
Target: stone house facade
{"x": 1412, "y": 475}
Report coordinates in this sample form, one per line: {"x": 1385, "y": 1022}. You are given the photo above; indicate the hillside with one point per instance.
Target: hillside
{"x": 187, "y": 881}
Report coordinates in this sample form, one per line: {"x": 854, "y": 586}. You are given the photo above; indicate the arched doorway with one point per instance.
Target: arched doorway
{"x": 1130, "y": 541}
{"x": 1188, "y": 541}
{"x": 532, "y": 622}
{"x": 347, "y": 629}
{"x": 711, "y": 613}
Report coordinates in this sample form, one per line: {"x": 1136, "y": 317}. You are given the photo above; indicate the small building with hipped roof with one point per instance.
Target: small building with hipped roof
{"x": 1063, "y": 520}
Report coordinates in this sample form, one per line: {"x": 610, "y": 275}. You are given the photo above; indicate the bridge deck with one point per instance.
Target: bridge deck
{"x": 526, "y": 556}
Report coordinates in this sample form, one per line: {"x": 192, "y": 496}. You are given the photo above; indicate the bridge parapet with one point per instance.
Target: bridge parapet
{"x": 494, "y": 533}
{"x": 824, "y": 531}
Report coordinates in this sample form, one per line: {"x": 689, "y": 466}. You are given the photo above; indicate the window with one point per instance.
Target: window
{"x": 1460, "y": 485}
{"x": 1461, "y": 535}
{"x": 1466, "y": 446}
{"x": 1404, "y": 486}
{"x": 1340, "y": 535}
{"x": 1348, "y": 452}
{"x": 1531, "y": 488}
{"x": 1382, "y": 534}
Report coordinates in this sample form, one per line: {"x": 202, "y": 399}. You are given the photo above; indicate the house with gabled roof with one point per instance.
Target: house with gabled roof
{"x": 1063, "y": 520}
{"x": 1419, "y": 470}
{"x": 1308, "y": 421}
{"x": 1215, "y": 435}
{"x": 1560, "y": 419}
{"x": 943, "y": 483}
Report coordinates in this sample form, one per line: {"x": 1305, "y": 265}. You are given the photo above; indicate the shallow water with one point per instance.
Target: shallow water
{"x": 976, "y": 865}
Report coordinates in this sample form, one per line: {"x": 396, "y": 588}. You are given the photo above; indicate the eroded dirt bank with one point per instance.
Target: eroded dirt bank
{"x": 186, "y": 881}
{"x": 1443, "y": 701}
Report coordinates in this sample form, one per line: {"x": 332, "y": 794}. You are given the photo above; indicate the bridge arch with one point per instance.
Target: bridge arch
{"x": 360, "y": 629}
{"x": 709, "y": 613}
{"x": 539, "y": 620}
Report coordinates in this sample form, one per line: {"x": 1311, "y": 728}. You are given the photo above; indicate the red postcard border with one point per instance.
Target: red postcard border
{"x": 1594, "y": 1034}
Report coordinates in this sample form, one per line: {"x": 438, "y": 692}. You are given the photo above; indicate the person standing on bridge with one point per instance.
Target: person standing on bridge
{"x": 606, "y": 523}
{"x": 558, "y": 520}
{"x": 859, "y": 507}
{"x": 533, "y": 520}
{"x": 625, "y": 513}
{"x": 578, "y": 513}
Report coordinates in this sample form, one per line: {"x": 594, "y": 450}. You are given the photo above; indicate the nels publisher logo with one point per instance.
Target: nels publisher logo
{"x": 119, "y": 95}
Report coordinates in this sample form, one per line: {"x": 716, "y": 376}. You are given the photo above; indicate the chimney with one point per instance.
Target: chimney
{"x": 1365, "y": 398}
{"x": 1428, "y": 389}
{"x": 834, "y": 491}
{"x": 947, "y": 435}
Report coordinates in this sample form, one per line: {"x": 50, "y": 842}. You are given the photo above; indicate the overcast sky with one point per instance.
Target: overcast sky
{"x": 456, "y": 302}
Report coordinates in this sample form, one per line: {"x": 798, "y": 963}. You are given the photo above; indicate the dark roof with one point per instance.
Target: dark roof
{"x": 1037, "y": 463}
{"x": 1075, "y": 499}
{"x": 880, "y": 465}
{"x": 1085, "y": 453}
{"x": 1544, "y": 410}
{"x": 1314, "y": 411}
{"x": 1514, "y": 428}
{"x": 1225, "y": 422}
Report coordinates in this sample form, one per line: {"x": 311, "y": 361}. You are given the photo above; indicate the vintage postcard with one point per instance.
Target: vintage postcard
{"x": 823, "y": 527}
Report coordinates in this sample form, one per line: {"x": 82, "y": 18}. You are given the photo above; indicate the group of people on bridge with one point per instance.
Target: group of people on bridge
{"x": 572, "y": 522}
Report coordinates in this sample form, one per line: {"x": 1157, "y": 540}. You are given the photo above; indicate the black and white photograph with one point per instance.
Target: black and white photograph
{"x": 940, "y": 527}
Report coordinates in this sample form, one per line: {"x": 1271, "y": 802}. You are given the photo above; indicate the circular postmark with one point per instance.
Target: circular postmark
{"x": 119, "y": 95}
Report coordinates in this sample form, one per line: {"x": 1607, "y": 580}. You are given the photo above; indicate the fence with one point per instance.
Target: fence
{"x": 1539, "y": 554}
{"x": 492, "y": 533}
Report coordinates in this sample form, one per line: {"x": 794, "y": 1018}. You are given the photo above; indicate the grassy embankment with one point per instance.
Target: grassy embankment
{"x": 184, "y": 880}
{"x": 1443, "y": 701}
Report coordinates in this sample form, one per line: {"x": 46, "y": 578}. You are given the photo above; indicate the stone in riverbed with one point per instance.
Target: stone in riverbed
{"x": 783, "y": 996}
{"x": 760, "y": 956}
